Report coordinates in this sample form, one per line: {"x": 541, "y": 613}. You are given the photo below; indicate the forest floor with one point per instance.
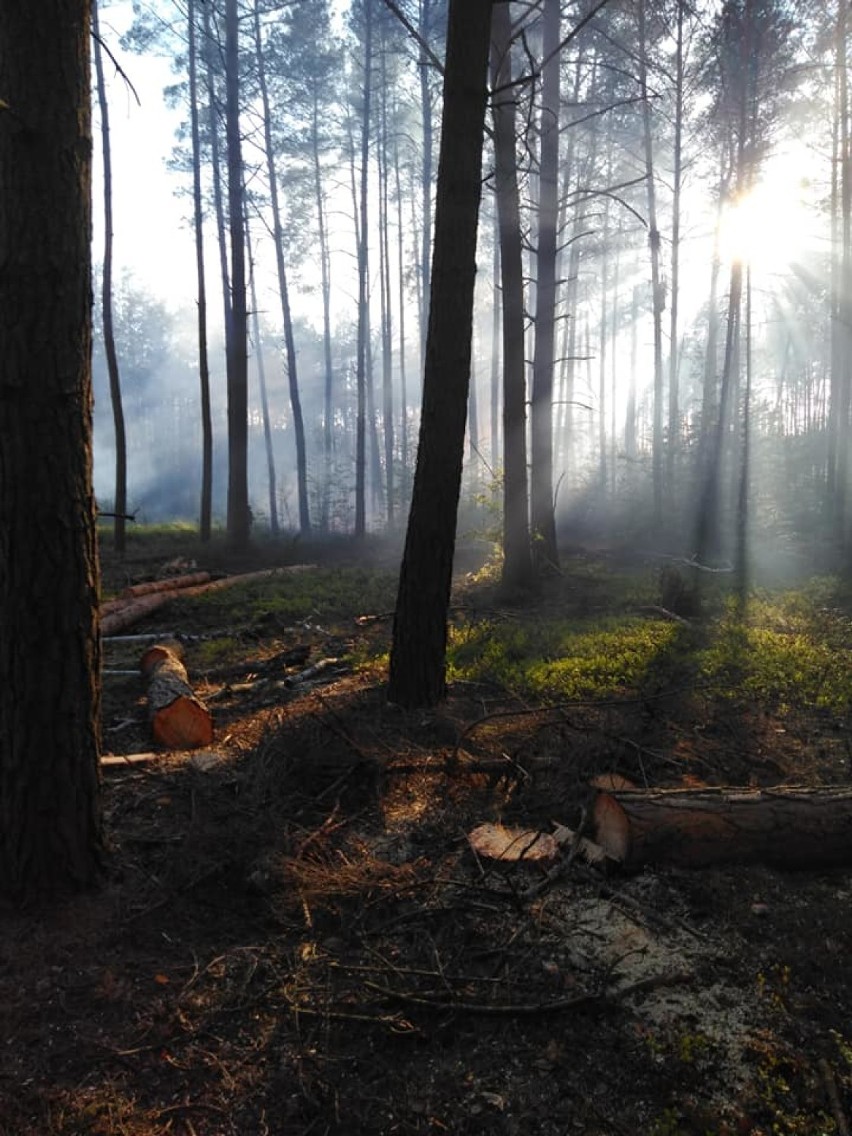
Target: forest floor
{"x": 294, "y": 935}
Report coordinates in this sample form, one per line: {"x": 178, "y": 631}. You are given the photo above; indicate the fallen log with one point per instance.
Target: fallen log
{"x": 124, "y": 611}
{"x": 247, "y": 578}
{"x": 179, "y": 720}
{"x": 788, "y": 826}
{"x": 118, "y": 614}
{"x": 170, "y": 584}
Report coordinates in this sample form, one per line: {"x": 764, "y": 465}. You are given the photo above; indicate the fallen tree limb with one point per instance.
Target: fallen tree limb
{"x": 788, "y": 826}
{"x": 122, "y": 760}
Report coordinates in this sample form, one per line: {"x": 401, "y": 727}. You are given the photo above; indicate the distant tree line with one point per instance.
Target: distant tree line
{"x": 632, "y": 365}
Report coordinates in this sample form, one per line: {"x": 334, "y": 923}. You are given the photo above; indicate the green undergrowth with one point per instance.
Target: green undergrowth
{"x": 555, "y": 660}
{"x": 791, "y": 648}
{"x": 317, "y": 596}
{"x": 787, "y": 650}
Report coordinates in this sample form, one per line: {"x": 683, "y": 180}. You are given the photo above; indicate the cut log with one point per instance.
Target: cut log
{"x": 179, "y": 720}
{"x": 118, "y": 614}
{"x": 788, "y": 826}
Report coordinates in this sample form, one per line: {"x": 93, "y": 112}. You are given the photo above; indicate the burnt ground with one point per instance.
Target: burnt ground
{"x": 294, "y": 935}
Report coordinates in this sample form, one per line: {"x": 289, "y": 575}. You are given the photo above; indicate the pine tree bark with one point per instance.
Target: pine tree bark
{"x": 418, "y": 653}
{"x": 49, "y": 648}
{"x": 785, "y": 827}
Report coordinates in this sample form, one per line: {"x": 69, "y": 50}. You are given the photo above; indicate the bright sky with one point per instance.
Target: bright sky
{"x": 152, "y": 235}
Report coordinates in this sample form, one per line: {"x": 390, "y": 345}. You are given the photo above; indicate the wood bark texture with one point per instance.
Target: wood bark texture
{"x": 418, "y": 655}
{"x": 50, "y": 817}
{"x": 786, "y": 827}
{"x": 179, "y": 720}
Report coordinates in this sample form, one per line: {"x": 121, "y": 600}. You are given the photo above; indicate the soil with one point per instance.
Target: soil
{"x": 294, "y": 935}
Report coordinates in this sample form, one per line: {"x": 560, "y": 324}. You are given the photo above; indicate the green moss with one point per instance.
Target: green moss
{"x": 556, "y": 660}
{"x": 788, "y": 653}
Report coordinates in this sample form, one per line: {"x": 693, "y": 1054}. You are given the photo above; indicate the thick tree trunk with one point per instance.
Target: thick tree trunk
{"x": 787, "y": 827}
{"x": 418, "y": 654}
{"x": 50, "y": 826}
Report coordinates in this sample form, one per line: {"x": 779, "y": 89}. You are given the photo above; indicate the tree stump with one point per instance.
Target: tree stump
{"x": 179, "y": 720}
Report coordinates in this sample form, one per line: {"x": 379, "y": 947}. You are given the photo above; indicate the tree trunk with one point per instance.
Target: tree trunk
{"x": 674, "y": 352}
{"x": 425, "y": 29}
{"x": 541, "y": 477}
{"x": 363, "y": 285}
{"x": 517, "y": 560}
{"x": 657, "y": 289}
{"x": 496, "y": 323}
{"x": 120, "y": 500}
{"x": 271, "y": 480}
{"x": 49, "y": 781}
{"x": 283, "y": 291}
{"x": 784, "y": 827}
{"x": 742, "y": 557}
{"x": 418, "y": 653}
{"x": 382, "y": 162}
{"x": 325, "y": 288}
{"x": 843, "y": 384}
{"x": 403, "y": 375}
{"x": 239, "y": 514}
{"x": 206, "y": 508}
{"x": 709, "y": 539}
{"x": 210, "y": 59}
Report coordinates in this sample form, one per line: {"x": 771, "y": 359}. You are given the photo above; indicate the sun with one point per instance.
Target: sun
{"x": 768, "y": 227}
